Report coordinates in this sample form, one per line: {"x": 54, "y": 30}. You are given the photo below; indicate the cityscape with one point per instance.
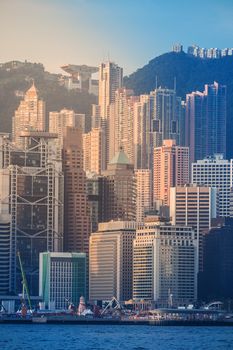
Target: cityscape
{"x": 116, "y": 179}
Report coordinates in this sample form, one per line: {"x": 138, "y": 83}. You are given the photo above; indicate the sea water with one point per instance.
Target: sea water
{"x": 101, "y": 337}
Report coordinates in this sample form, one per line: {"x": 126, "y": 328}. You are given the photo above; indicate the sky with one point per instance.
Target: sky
{"x": 128, "y": 32}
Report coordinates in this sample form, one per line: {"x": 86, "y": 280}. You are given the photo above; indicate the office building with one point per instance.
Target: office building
{"x": 30, "y": 115}
{"x": 119, "y": 190}
{"x": 6, "y": 257}
{"x": 194, "y": 206}
{"x": 171, "y": 168}
{"x": 144, "y": 193}
{"x": 32, "y": 180}
{"x": 206, "y": 122}
{"x": 94, "y": 192}
{"x": 111, "y": 261}
{"x": 215, "y": 172}
{"x": 62, "y": 278}
{"x": 76, "y": 208}
{"x": 216, "y": 282}
{"x": 165, "y": 264}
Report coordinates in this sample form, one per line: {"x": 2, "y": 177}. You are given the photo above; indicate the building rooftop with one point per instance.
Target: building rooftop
{"x": 120, "y": 158}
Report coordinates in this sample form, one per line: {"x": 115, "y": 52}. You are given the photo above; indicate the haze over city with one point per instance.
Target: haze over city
{"x": 130, "y": 32}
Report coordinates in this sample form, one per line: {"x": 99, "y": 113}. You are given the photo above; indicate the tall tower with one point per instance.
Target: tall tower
{"x": 121, "y": 120}
{"x": 144, "y": 193}
{"x": 76, "y": 210}
{"x": 194, "y": 206}
{"x": 119, "y": 190}
{"x": 30, "y": 115}
{"x": 206, "y": 122}
{"x": 32, "y": 180}
{"x": 171, "y": 168}
{"x": 58, "y": 121}
{"x": 110, "y": 79}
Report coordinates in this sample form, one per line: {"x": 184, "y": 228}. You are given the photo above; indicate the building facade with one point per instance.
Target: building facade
{"x": 30, "y": 115}
{"x": 32, "y": 178}
{"x": 62, "y": 278}
{"x": 215, "y": 172}
{"x": 206, "y": 122}
{"x": 76, "y": 208}
{"x": 119, "y": 190}
{"x": 194, "y": 206}
{"x": 165, "y": 264}
{"x": 111, "y": 261}
{"x": 171, "y": 168}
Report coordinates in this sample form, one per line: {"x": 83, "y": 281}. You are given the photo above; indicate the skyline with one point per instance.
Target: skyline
{"x": 54, "y": 33}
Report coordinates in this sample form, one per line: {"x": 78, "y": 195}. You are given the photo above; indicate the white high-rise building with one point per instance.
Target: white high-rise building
{"x": 110, "y": 79}
{"x": 58, "y": 121}
{"x": 194, "y": 206}
{"x": 165, "y": 264}
{"x": 215, "y": 172}
{"x": 30, "y": 115}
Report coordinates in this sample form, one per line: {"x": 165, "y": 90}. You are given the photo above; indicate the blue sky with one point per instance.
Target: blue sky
{"x": 129, "y": 32}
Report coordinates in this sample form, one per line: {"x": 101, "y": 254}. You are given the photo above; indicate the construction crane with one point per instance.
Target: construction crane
{"x": 24, "y": 282}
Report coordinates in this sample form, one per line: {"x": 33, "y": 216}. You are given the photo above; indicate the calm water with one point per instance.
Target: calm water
{"x": 59, "y": 337}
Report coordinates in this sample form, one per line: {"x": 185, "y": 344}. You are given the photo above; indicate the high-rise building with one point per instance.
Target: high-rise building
{"x": 119, "y": 190}
{"x": 110, "y": 79}
{"x": 30, "y": 115}
{"x": 194, "y": 206}
{"x": 215, "y": 172}
{"x": 94, "y": 151}
{"x": 76, "y": 209}
{"x": 94, "y": 191}
{"x": 58, "y": 121}
{"x": 206, "y": 122}
{"x": 111, "y": 261}
{"x": 6, "y": 286}
{"x": 62, "y": 278}
{"x": 144, "y": 193}
{"x": 165, "y": 107}
{"x": 171, "y": 168}
{"x": 165, "y": 264}
{"x": 32, "y": 180}
{"x": 216, "y": 282}
{"x": 121, "y": 123}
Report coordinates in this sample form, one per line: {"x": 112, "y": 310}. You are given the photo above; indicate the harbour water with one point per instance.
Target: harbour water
{"x": 101, "y": 337}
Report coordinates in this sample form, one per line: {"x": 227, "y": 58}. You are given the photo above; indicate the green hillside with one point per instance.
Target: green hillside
{"x": 191, "y": 74}
{"x": 17, "y": 78}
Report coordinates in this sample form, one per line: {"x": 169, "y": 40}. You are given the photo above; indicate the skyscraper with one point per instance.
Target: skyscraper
{"x": 194, "y": 206}
{"x": 121, "y": 123}
{"x": 144, "y": 193}
{"x": 76, "y": 209}
{"x": 215, "y": 172}
{"x": 165, "y": 264}
{"x": 110, "y": 79}
{"x": 58, "y": 121}
{"x": 171, "y": 168}
{"x": 119, "y": 190}
{"x": 32, "y": 180}
{"x": 30, "y": 115}
{"x": 111, "y": 261}
{"x": 94, "y": 151}
{"x": 206, "y": 122}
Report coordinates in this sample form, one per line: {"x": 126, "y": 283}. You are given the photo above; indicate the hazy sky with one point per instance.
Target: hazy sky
{"x": 129, "y": 32}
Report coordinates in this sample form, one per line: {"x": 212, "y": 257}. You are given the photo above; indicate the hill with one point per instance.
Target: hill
{"x": 191, "y": 74}
{"x": 16, "y": 77}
